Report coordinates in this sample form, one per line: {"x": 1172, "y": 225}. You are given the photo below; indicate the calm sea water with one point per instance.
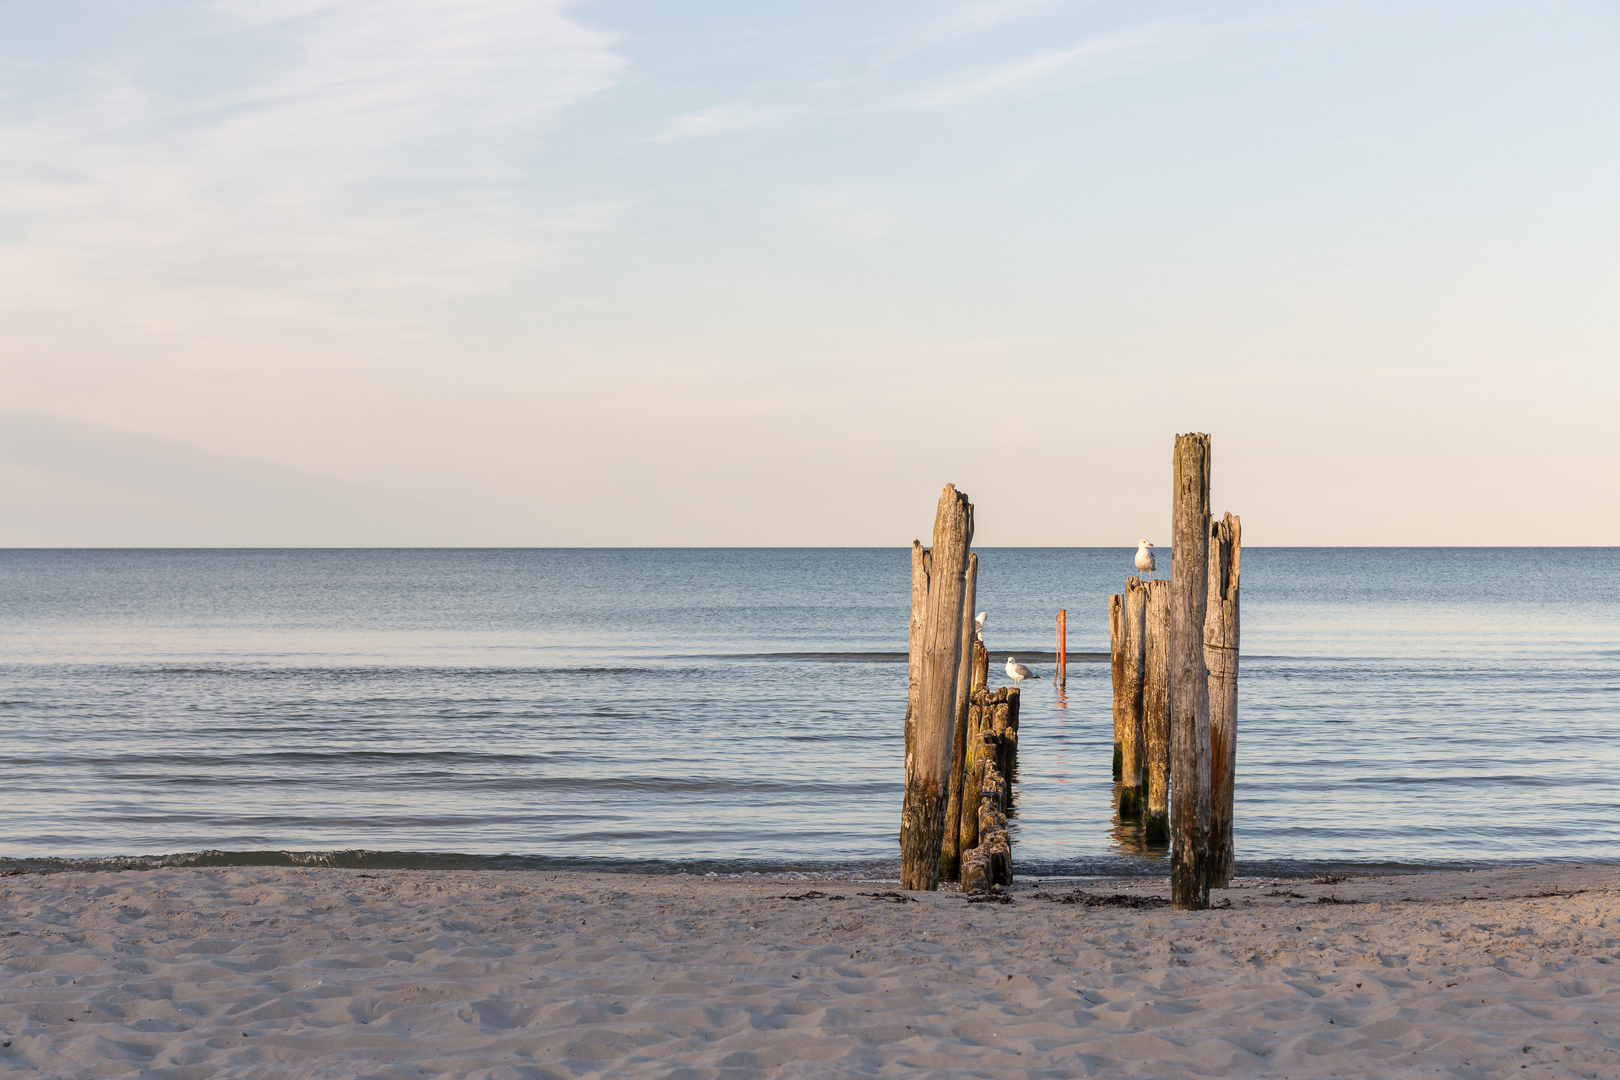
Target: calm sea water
{"x": 741, "y": 709}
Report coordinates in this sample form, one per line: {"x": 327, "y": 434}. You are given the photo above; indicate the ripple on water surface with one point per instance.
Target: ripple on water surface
{"x": 740, "y": 709}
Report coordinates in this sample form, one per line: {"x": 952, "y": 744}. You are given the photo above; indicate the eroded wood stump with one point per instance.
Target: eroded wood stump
{"x": 990, "y": 862}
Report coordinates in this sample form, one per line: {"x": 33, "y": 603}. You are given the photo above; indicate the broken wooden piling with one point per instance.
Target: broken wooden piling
{"x": 1130, "y": 792}
{"x": 1189, "y": 679}
{"x": 973, "y": 777}
{"x": 966, "y": 818}
{"x": 922, "y": 817}
{"x": 1116, "y": 669}
{"x": 1221, "y": 658}
{"x": 919, "y": 607}
{"x": 986, "y": 844}
{"x": 1156, "y": 710}
{"x": 949, "y": 852}
{"x": 1006, "y": 728}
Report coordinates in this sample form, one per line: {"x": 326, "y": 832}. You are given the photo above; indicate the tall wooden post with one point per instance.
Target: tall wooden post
{"x": 1189, "y": 680}
{"x": 1221, "y": 657}
{"x": 1062, "y": 649}
{"x": 950, "y": 854}
{"x": 922, "y": 818}
{"x": 1116, "y": 668}
{"x": 1156, "y": 710}
{"x": 1130, "y": 795}
{"x": 919, "y": 604}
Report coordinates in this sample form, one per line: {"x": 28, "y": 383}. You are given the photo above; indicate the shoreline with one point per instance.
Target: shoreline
{"x": 339, "y": 972}
{"x": 1119, "y": 865}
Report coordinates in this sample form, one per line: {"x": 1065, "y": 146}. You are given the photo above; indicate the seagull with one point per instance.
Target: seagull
{"x": 1018, "y": 672}
{"x": 978, "y": 628}
{"x": 1144, "y": 557}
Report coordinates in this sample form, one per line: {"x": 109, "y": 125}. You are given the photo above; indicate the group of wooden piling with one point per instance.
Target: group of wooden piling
{"x": 1174, "y": 651}
{"x": 1139, "y": 640}
{"x": 1174, "y": 647}
{"x": 961, "y": 737}
{"x": 986, "y": 769}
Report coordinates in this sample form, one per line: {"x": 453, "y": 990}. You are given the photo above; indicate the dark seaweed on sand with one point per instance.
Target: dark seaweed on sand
{"x": 1087, "y": 899}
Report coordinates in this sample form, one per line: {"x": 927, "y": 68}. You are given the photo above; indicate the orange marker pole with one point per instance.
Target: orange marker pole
{"x": 1063, "y": 649}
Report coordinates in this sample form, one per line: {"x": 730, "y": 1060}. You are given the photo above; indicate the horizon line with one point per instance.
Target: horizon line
{"x": 789, "y": 547}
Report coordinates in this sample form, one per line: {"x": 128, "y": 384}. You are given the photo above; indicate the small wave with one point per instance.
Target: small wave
{"x": 1037, "y": 655}
{"x": 363, "y": 859}
{"x": 853, "y": 869}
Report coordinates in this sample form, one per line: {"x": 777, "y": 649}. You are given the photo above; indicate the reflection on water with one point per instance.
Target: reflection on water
{"x": 1128, "y": 835}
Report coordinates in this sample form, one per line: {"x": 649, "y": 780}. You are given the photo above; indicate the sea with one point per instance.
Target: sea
{"x": 740, "y": 711}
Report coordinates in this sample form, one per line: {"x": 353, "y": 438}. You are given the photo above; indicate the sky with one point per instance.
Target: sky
{"x": 492, "y": 272}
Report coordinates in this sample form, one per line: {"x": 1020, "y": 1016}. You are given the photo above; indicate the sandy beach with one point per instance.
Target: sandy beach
{"x": 339, "y": 973}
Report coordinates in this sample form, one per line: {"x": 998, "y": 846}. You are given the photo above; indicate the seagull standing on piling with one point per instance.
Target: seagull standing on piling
{"x": 978, "y": 628}
{"x": 1018, "y": 672}
{"x": 1144, "y": 557}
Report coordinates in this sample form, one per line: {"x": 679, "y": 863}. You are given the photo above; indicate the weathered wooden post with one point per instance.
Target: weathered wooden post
{"x": 922, "y": 818}
{"x": 968, "y": 827}
{"x": 1008, "y": 730}
{"x": 1130, "y": 794}
{"x": 1062, "y": 650}
{"x": 1221, "y": 657}
{"x": 978, "y": 716}
{"x": 950, "y": 853}
{"x": 1189, "y": 680}
{"x": 997, "y": 723}
{"x": 919, "y": 604}
{"x": 1156, "y": 710}
{"x": 989, "y": 861}
{"x": 1116, "y": 667}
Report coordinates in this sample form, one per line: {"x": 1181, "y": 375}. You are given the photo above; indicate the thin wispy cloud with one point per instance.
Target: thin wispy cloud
{"x": 735, "y": 116}
{"x": 920, "y": 64}
{"x": 1104, "y": 54}
{"x": 375, "y": 147}
{"x": 975, "y": 18}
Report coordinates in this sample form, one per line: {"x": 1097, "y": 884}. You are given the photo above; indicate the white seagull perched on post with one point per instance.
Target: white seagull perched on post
{"x": 1018, "y": 672}
{"x": 978, "y": 628}
{"x": 1144, "y": 557}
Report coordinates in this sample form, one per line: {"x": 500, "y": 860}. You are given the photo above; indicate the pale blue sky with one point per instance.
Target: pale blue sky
{"x": 622, "y": 273}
